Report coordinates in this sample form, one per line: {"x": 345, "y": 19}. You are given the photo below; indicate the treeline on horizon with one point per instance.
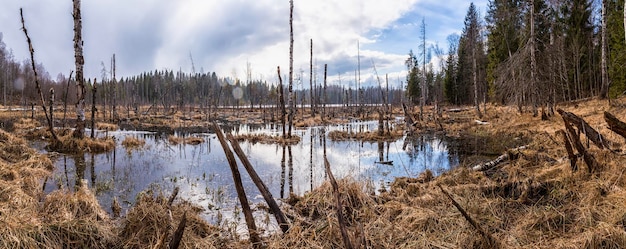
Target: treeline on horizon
{"x": 529, "y": 53}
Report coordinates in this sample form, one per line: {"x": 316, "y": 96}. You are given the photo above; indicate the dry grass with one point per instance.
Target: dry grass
{"x": 107, "y": 126}
{"x": 366, "y": 136}
{"x": 533, "y": 201}
{"x": 68, "y": 144}
{"x": 174, "y": 140}
{"x": 133, "y": 142}
{"x": 268, "y": 139}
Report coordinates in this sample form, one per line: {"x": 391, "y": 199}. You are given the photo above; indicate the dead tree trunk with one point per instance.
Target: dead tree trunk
{"x": 281, "y": 96}
{"x": 79, "y": 132}
{"x": 615, "y": 124}
{"x": 324, "y": 94}
{"x": 51, "y": 104}
{"x": 241, "y": 193}
{"x": 604, "y": 89}
{"x": 311, "y": 83}
{"x": 585, "y": 128}
{"x": 588, "y": 158}
{"x": 267, "y": 195}
{"x": 93, "y": 108}
{"x": 67, "y": 87}
{"x": 37, "y": 84}
{"x": 291, "y": 96}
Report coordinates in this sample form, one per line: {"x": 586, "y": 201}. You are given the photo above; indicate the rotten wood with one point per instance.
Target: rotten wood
{"x": 267, "y": 195}
{"x": 37, "y": 84}
{"x": 615, "y": 124}
{"x": 170, "y": 201}
{"x": 255, "y": 240}
{"x": 342, "y": 223}
{"x": 492, "y": 241}
{"x": 585, "y": 128}
{"x": 573, "y": 158}
{"x": 493, "y": 163}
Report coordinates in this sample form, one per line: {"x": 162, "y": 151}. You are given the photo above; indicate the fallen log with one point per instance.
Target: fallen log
{"x": 267, "y": 195}
{"x": 585, "y": 128}
{"x": 178, "y": 234}
{"x": 255, "y": 240}
{"x": 342, "y": 223}
{"x": 493, "y": 243}
{"x": 615, "y": 124}
{"x": 493, "y": 163}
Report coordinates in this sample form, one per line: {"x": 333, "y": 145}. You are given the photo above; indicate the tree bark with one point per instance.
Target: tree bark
{"x": 37, "y": 84}
{"x": 573, "y": 159}
{"x": 324, "y": 94}
{"x": 79, "y": 132}
{"x": 67, "y": 87}
{"x": 588, "y": 158}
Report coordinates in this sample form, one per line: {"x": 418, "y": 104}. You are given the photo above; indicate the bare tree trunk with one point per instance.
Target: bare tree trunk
{"x": 423, "y": 85}
{"x": 115, "y": 117}
{"x": 291, "y": 96}
{"x": 475, "y": 76}
{"x": 604, "y": 90}
{"x": 51, "y": 103}
{"x": 533, "y": 60}
{"x": 37, "y": 84}
{"x": 93, "y": 108}
{"x": 324, "y": 94}
{"x": 625, "y": 21}
{"x": 79, "y": 132}
{"x": 311, "y": 82}
{"x": 67, "y": 87}
{"x": 282, "y": 102}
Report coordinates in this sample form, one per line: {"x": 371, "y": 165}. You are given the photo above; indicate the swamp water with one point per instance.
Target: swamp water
{"x": 204, "y": 177}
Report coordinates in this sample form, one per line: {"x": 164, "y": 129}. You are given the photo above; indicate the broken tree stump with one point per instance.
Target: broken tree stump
{"x": 587, "y": 157}
{"x": 585, "y": 128}
{"x": 573, "y": 158}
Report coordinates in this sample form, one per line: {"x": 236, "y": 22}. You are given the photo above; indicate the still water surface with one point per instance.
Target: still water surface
{"x": 203, "y": 175}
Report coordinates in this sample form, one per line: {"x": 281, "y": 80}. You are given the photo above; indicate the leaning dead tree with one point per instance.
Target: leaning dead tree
{"x": 79, "y": 132}
{"x": 37, "y": 84}
{"x": 615, "y": 124}
{"x": 585, "y": 128}
{"x": 291, "y": 95}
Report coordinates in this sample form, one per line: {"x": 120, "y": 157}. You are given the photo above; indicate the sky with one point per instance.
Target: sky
{"x": 226, "y": 36}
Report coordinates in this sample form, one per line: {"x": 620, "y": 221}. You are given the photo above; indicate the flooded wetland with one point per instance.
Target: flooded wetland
{"x": 202, "y": 173}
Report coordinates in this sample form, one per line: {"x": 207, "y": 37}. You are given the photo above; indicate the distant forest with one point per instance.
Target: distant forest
{"x": 531, "y": 53}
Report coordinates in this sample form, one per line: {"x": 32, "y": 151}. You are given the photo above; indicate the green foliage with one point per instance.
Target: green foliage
{"x": 412, "y": 78}
{"x": 616, "y": 47}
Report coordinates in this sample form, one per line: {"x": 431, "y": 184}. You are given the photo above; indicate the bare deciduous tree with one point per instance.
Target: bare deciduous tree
{"x": 79, "y": 132}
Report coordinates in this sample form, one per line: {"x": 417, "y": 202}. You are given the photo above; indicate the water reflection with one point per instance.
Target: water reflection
{"x": 204, "y": 177}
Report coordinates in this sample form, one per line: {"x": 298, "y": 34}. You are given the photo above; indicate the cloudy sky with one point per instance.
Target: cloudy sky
{"x": 223, "y": 36}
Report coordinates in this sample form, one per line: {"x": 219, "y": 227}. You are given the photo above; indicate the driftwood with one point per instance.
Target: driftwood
{"x": 573, "y": 158}
{"x": 241, "y": 193}
{"x": 493, "y": 243}
{"x": 506, "y": 156}
{"x": 267, "y": 195}
{"x": 585, "y": 128}
{"x": 615, "y": 124}
{"x": 342, "y": 223}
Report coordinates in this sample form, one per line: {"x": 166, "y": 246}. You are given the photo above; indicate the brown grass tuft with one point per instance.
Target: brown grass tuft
{"x": 174, "y": 140}
{"x": 133, "y": 142}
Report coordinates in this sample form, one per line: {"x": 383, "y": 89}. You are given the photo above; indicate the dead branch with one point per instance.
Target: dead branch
{"x": 37, "y": 84}
{"x": 510, "y": 154}
{"x": 342, "y": 223}
{"x": 615, "y": 124}
{"x": 492, "y": 241}
{"x": 267, "y": 195}
{"x": 178, "y": 235}
{"x": 241, "y": 193}
{"x": 585, "y": 128}
{"x": 173, "y": 196}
